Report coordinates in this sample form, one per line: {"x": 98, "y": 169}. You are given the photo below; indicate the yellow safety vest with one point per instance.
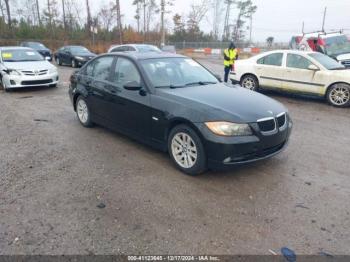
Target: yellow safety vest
{"x": 229, "y": 56}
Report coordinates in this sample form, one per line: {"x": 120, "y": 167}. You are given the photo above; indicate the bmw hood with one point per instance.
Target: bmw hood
{"x": 30, "y": 65}
{"x": 230, "y": 103}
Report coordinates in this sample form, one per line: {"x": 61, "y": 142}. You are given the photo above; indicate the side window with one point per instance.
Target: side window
{"x": 273, "y": 59}
{"x": 126, "y": 71}
{"x": 298, "y": 61}
{"x": 89, "y": 70}
{"x": 102, "y": 68}
{"x": 130, "y": 48}
{"x": 119, "y": 49}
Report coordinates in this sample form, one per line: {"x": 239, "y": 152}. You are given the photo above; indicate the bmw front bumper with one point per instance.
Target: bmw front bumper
{"x": 223, "y": 152}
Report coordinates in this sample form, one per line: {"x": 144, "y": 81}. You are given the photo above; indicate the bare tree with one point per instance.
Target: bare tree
{"x": 163, "y": 10}
{"x": 197, "y": 14}
{"x": 88, "y": 18}
{"x": 119, "y": 22}
{"x": 246, "y": 9}
{"x": 107, "y": 16}
{"x": 38, "y": 11}
{"x": 64, "y": 15}
{"x": 218, "y": 9}
{"x": 2, "y": 8}
{"x": 8, "y": 11}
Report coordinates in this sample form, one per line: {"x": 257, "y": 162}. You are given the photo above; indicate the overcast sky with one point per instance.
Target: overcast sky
{"x": 278, "y": 18}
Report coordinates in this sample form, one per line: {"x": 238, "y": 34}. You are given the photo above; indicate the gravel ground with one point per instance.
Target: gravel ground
{"x": 54, "y": 174}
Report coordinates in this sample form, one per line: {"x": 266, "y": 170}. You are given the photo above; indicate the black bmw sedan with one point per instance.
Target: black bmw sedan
{"x": 74, "y": 56}
{"x": 176, "y": 105}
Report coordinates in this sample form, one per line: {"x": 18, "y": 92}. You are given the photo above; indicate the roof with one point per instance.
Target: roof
{"x": 4, "y": 48}
{"x": 147, "y": 55}
{"x": 286, "y": 51}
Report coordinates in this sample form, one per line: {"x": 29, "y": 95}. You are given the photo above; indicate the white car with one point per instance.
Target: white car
{"x": 24, "y": 67}
{"x": 301, "y": 72}
{"x": 140, "y": 48}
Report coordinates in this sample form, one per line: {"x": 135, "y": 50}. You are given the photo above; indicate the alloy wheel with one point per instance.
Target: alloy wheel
{"x": 249, "y": 83}
{"x": 83, "y": 112}
{"x": 340, "y": 95}
{"x": 184, "y": 150}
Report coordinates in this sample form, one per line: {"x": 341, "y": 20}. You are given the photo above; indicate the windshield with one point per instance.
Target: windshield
{"x": 148, "y": 48}
{"x": 168, "y": 48}
{"x": 176, "y": 72}
{"x": 36, "y": 45}
{"x": 79, "y": 50}
{"x": 337, "y": 45}
{"x": 326, "y": 61}
{"x": 20, "y": 55}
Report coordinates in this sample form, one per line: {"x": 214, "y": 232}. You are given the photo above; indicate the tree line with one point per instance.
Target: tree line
{"x": 73, "y": 20}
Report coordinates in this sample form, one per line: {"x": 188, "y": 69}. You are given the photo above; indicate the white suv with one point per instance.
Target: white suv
{"x": 24, "y": 67}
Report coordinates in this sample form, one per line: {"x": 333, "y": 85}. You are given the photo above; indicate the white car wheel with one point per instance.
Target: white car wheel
{"x": 249, "y": 82}
{"x": 339, "y": 95}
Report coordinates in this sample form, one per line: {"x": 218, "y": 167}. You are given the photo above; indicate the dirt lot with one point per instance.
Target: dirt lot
{"x": 54, "y": 173}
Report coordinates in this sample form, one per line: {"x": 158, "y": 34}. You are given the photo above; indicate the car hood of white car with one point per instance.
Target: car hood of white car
{"x": 30, "y": 65}
{"x": 343, "y": 57}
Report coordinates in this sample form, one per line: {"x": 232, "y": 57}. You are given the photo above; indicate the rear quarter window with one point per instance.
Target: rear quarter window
{"x": 272, "y": 59}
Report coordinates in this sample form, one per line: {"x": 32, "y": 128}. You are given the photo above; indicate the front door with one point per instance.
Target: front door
{"x": 132, "y": 109}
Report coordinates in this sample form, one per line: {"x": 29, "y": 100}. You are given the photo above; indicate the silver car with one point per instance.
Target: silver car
{"x": 24, "y": 67}
{"x": 140, "y": 48}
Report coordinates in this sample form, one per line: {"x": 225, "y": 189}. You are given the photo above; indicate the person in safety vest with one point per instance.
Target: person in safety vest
{"x": 230, "y": 55}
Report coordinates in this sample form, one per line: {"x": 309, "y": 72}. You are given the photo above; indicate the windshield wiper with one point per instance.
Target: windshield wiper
{"x": 201, "y": 83}
{"x": 339, "y": 68}
{"x": 171, "y": 86}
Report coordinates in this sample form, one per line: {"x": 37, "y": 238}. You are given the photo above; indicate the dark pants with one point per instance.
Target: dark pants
{"x": 227, "y": 72}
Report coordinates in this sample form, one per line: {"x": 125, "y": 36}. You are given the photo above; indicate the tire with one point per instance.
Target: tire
{"x": 250, "y": 82}
{"x": 83, "y": 112}
{"x": 74, "y": 63}
{"x": 338, "y": 95}
{"x": 186, "y": 150}
{"x": 3, "y": 86}
{"x": 58, "y": 61}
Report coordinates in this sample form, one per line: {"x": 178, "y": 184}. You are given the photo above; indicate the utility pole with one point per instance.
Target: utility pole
{"x": 119, "y": 21}
{"x": 303, "y": 27}
{"x": 324, "y": 18}
{"x": 88, "y": 22}
{"x": 162, "y": 29}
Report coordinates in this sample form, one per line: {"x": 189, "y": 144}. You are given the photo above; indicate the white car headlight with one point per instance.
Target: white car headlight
{"x": 14, "y": 72}
{"x": 229, "y": 129}
{"x": 53, "y": 70}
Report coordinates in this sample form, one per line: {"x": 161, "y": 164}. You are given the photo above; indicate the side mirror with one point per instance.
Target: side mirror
{"x": 133, "y": 86}
{"x": 313, "y": 68}
{"x": 218, "y": 77}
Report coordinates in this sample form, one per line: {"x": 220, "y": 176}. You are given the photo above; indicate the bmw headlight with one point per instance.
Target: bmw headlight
{"x": 229, "y": 129}
{"x": 79, "y": 58}
{"x": 13, "y": 72}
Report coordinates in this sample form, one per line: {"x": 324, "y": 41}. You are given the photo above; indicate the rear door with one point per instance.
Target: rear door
{"x": 270, "y": 70}
{"x": 98, "y": 85}
{"x": 299, "y": 78}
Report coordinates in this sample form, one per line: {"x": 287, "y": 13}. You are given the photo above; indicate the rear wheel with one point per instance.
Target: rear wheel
{"x": 83, "y": 112}
{"x": 250, "y": 82}
{"x": 186, "y": 150}
{"x": 338, "y": 95}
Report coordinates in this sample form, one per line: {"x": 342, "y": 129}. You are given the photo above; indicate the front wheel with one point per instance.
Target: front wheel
{"x": 186, "y": 150}
{"x": 3, "y": 85}
{"x": 74, "y": 63}
{"x": 58, "y": 61}
{"x": 338, "y": 95}
{"x": 83, "y": 112}
{"x": 250, "y": 82}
